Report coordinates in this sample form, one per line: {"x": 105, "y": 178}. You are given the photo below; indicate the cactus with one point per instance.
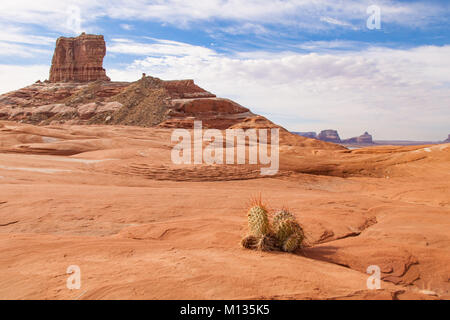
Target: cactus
{"x": 283, "y": 214}
{"x": 249, "y": 242}
{"x": 293, "y": 243}
{"x": 267, "y": 242}
{"x": 287, "y": 230}
{"x": 258, "y": 221}
{"x": 285, "y": 233}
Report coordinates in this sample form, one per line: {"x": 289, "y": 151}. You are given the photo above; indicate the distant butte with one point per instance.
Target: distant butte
{"x": 364, "y": 139}
{"x": 329, "y": 136}
{"x": 79, "y": 59}
{"x": 448, "y": 139}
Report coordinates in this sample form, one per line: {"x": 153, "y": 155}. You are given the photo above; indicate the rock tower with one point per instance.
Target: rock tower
{"x": 79, "y": 59}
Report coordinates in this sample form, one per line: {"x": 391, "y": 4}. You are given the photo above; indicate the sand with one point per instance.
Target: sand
{"x": 109, "y": 200}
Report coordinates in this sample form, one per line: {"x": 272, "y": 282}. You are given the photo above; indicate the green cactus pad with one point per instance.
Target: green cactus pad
{"x": 293, "y": 243}
{"x": 285, "y": 228}
{"x": 258, "y": 221}
{"x": 282, "y": 215}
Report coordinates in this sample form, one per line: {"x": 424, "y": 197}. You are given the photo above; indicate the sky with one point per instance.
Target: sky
{"x": 309, "y": 65}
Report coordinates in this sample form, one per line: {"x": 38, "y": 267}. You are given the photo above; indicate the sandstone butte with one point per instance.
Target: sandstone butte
{"x": 79, "y": 59}
{"x": 330, "y": 136}
{"x": 87, "y": 180}
{"x": 364, "y": 139}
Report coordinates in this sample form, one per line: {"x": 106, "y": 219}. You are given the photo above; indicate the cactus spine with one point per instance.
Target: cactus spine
{"x": 258, "y": 221}
{"x": 292, "y": 243}
{"x": 284, "y": 233}
{"x": 282, "y": 215}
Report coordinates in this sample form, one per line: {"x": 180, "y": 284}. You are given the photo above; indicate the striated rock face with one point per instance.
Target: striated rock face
{"x": 79, "y": 59}
{"x": 329, "y": 136}
{"x": 366, "y": 138}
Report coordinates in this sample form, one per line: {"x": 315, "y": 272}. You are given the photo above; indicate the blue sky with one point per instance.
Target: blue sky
{"x": 308, "y": 65}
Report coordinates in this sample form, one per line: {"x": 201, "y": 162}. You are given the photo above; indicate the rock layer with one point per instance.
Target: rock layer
{"x": 79, "y": 59}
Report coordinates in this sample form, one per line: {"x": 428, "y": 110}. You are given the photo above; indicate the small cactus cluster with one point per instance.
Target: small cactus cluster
{"x": 287, "y": 230}
{"x": 284, "y": 233}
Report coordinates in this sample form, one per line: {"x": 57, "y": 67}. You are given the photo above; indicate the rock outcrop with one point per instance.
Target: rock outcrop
{"x": 79, "y": 59}
{"x": 364, "y": 139}
{"x": 448, "y": 139}
{"x": 146, "y": 102}
{"x": 330, "y": 136}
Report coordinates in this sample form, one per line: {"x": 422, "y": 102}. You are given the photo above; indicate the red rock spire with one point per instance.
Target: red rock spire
{"x": 79, "y": 59}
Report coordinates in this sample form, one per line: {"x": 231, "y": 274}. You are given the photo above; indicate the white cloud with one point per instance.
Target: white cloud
{"x": 246, "y": 28}
{"x": 158, "y": 47}
{"x": 22, "y": 51}
{"x": 305, "y": 14}
{"x": 337, "y": 22}
{"x": 22, "y": 35}
{"x": 127, "y": 27}
{"x": 20, "y": 42}
{"x": 13, "y": 77}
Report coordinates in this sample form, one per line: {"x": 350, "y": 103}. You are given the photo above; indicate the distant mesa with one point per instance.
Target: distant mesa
{"x": 79, "y": 59}
{"x": 448, "y": 139}
{"x": 329, "y": 136}
{"x": 366, "y": 138}
{"x": 333, "y": 136}
{"x": 311, "y": 135}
